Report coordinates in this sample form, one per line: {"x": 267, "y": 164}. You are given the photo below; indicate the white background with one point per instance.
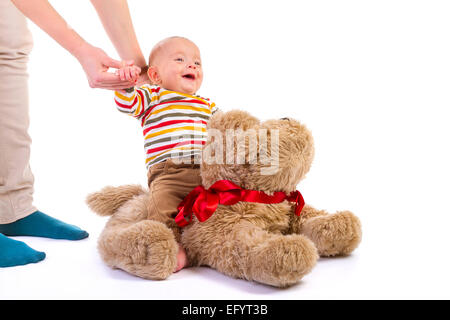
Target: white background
{"x": 369, "y": 78}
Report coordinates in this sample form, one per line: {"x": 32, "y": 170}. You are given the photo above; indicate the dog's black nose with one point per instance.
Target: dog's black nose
{"x": 285, "y": 119}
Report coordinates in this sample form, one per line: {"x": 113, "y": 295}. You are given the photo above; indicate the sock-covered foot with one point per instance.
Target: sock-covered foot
{"x": 17, "y": 253}
{"x": 39, "y": 224}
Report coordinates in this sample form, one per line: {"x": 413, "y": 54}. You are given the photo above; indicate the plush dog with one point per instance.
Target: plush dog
{"x": 247, "y": 220}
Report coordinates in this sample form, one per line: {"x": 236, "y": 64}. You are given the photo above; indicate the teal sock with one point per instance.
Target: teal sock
{"x": 17, "y": 253}
{"x": 39, "y": 224}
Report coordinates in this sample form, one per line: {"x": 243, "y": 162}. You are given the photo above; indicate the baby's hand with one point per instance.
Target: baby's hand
{"x": 128, "y": 72}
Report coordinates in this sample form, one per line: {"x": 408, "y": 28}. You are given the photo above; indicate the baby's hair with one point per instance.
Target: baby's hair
{"x": 158, "y": 46}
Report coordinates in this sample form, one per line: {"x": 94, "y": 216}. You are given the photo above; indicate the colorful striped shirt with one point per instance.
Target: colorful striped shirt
{"x": 173, "y": 123}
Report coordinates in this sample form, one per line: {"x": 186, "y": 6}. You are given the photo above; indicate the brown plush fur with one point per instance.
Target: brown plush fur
{"x": 131, "y": 241}
{"x": 266, "y": 243}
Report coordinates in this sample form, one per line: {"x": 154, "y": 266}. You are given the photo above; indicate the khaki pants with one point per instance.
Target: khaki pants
{"x": 169, "y": 183}
{"x": 16, "y": 179}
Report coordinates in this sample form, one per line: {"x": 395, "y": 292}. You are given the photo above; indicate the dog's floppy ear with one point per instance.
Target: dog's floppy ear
{"x": 291, "y": 158}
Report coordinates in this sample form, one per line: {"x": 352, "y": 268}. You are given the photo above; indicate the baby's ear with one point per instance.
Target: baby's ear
{"x": 153, "y": 75}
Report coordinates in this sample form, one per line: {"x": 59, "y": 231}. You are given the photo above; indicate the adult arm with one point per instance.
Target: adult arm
{"x": 94, "y": 61}
{"x": 116, "y": 20}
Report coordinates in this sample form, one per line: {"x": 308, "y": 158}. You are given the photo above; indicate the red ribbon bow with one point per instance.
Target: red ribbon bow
{"x": 203, "y": 202}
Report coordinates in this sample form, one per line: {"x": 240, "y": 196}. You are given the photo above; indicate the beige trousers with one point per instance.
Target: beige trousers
{"x": 16, "y": 179}
{"x": 169, "y": 183}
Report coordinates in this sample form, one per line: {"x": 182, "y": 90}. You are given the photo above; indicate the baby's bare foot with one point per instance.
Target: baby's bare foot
{"x": 181, "y": 258}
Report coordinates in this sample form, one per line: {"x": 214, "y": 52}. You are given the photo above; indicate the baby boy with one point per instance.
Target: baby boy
{"x": 173, "y": 119}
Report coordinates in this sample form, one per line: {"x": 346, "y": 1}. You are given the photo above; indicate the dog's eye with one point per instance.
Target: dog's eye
{"x": 285, "y": 119}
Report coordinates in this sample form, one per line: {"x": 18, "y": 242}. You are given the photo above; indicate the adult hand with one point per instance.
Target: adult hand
{"x": 95, "y": 63}
{"x": 115, "y": 15}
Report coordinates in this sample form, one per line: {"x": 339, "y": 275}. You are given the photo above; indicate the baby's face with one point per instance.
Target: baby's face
{"x": 178, "y": 66}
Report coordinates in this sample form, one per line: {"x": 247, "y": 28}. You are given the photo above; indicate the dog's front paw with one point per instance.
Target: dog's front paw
{"x": 146, "y": 249}
{"x": 334, "y": 234}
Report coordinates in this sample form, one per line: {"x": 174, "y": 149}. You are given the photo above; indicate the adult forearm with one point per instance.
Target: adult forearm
{"x": 46, "y": 17}
{"x": 116, "y": 19}
{"x": 95, "y": 62}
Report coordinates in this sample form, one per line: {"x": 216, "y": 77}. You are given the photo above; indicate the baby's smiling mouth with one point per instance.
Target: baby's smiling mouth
{"x": 189, "y": 76}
